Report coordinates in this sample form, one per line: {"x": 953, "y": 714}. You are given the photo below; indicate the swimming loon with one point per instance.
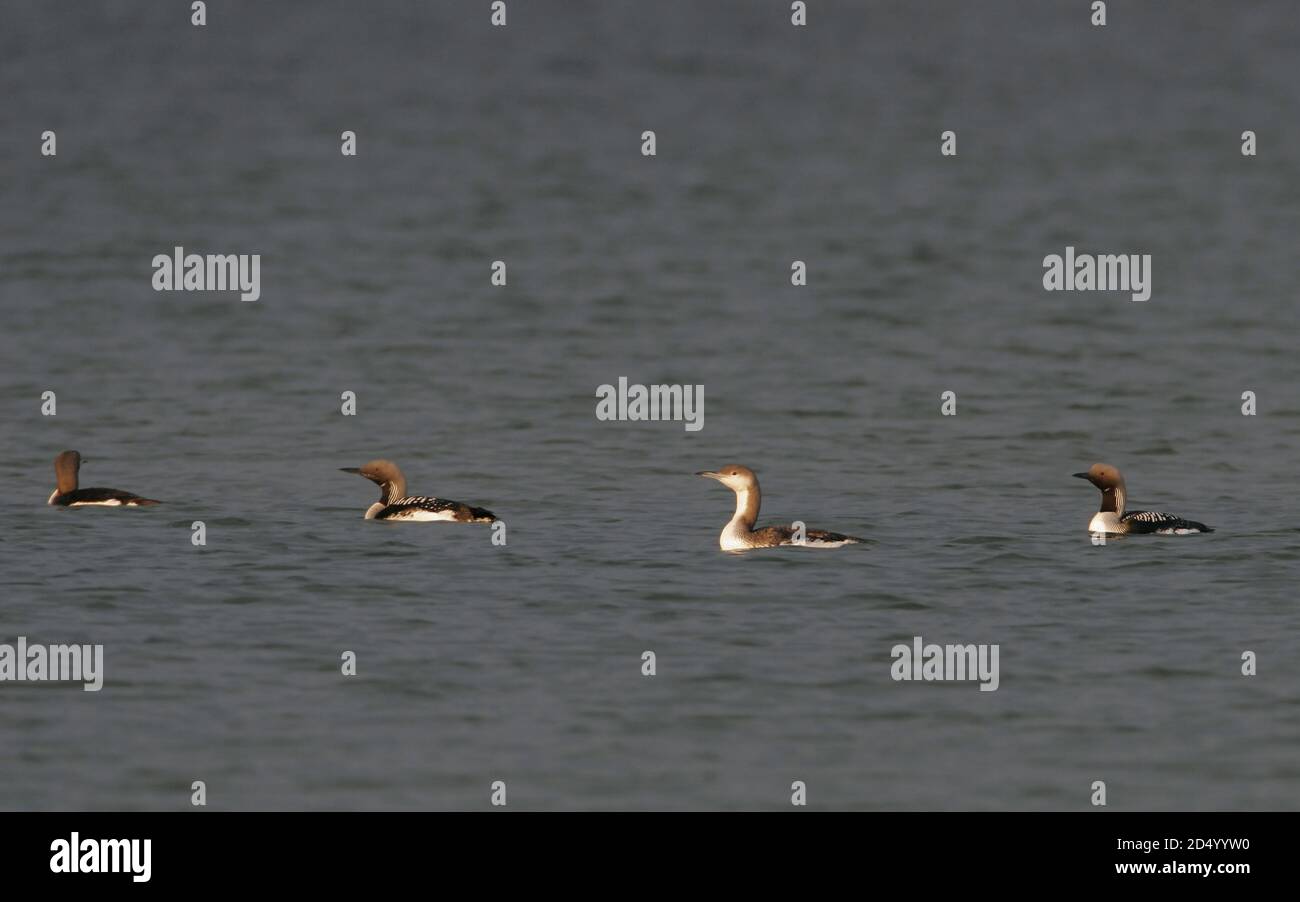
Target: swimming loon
{"x": 1112, "y": 518}
{"x": 395, "y": 504}
{"x": 739, "y": 534}
{"x": 66, "y": 466}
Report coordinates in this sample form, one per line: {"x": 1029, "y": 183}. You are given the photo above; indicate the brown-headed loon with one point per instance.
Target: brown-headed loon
{"x": 66, "y": 494}
{"x": 395, "y": 504}
{"x": 1114, "y": 520}
{"x": 739, "y": 534}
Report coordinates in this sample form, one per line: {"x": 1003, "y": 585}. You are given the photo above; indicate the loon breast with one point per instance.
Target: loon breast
{"x": 1106, "y": 522}
{"x": 736, "y": 537}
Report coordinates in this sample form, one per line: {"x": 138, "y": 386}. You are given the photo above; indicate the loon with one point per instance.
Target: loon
{"x": 1112, "y": 518}
{"x": 740, "y": 535}
{"x": 66, "y": 466}
{"x": 395, "y": 504}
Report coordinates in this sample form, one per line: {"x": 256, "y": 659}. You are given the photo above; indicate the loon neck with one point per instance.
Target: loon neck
{"x": 1112, "y": 500}
{"x": 393, "y": 490}
{"x": 746, "y": 515}
{"x": 66, "y": 478}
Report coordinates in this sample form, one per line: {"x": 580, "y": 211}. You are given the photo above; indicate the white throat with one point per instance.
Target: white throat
{"x": 736, "y": 534}
{"x": 742, "y": 505}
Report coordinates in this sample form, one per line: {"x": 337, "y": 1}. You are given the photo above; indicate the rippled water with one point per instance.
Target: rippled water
{"x": 479, "y": 663}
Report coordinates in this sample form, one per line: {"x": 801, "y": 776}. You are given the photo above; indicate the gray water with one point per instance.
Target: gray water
{"x": 522, "y": 663}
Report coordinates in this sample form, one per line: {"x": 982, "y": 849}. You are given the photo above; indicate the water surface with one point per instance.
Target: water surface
{"x": 480, "y": 663}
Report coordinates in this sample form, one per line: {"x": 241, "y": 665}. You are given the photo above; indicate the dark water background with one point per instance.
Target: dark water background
{"x": 479, "y": 663}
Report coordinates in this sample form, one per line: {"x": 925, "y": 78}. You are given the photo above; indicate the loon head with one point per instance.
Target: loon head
{"x": 1103, "y": 476}
{"x": 1111, "y": 483}
{"x": 733, "y": 476}
{"x": 384, "y": 473}
{"x": 66, "y": 466}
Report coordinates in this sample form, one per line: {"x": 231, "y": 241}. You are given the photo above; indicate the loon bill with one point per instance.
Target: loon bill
{"x": 395, "y": 504}
{"x": 1113, "y": 519}
{"x": 739, "y": 533}
{"x": 67, "y": 467}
